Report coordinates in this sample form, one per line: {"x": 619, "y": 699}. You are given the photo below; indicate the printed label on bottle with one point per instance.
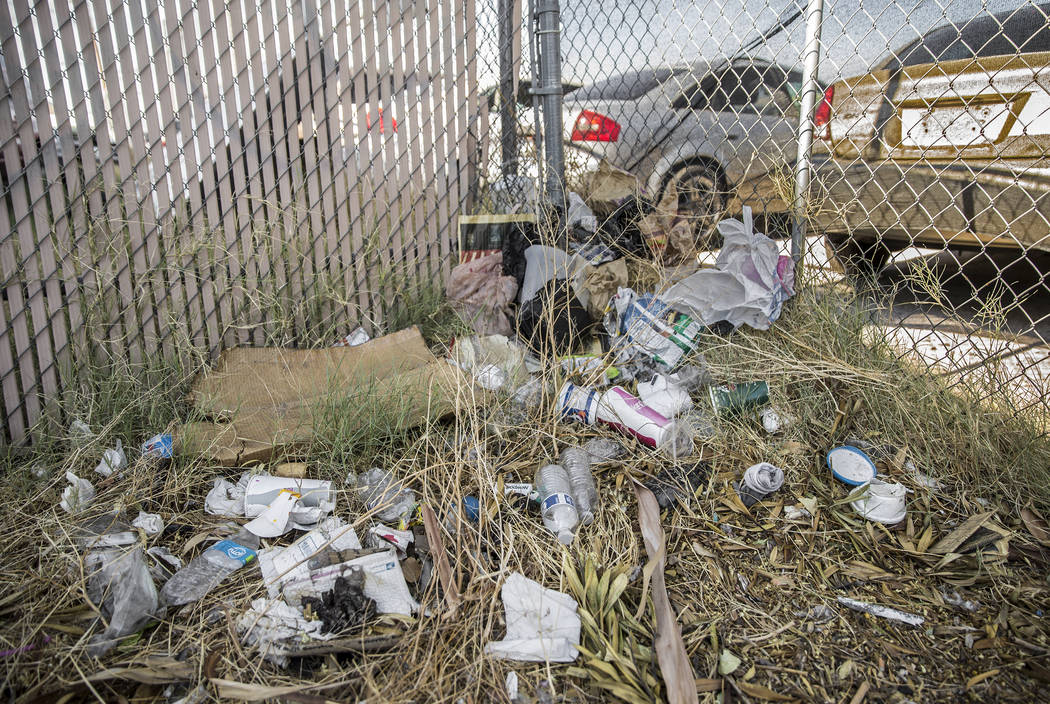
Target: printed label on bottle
{"x": 521, "y": 488}
{"x": 578, "y": 403}
{"x": 555, "y": 499}
{"x": 235, "y": 551}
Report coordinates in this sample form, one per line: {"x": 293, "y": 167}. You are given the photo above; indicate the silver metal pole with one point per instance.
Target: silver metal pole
{"x": 810, "y": 91}
{"x": 550, "y": 93}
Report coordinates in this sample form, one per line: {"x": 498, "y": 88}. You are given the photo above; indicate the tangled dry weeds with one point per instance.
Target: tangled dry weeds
{"x": 755, "y": 590}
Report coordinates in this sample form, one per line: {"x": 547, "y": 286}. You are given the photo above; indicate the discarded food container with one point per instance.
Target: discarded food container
{"x": 577, "y": 464}
{"x": 160, "y": 447}
{"x": 273, "y": 521}
{"x": 850, "y": 465}
{"x": 113, "y": 460}
{"x": 621, "y": 410}
{"x": 209, "y": 569}
{"x": 556, "y": 501}
{"x": 736, "y": 397}
{"x": 880, "y": 501}
{"x": 262, "y": 489}
{"x": 759, "y": 481}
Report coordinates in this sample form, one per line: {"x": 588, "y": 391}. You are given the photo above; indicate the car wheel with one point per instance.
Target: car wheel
{"x": 858, "y": 259}
{"x": 702, "y": 199}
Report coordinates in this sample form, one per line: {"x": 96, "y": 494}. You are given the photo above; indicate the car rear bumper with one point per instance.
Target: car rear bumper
{"x": 934, "y": 205}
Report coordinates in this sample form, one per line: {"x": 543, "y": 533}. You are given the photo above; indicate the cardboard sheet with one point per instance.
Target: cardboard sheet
{"x": 261, "y": 400}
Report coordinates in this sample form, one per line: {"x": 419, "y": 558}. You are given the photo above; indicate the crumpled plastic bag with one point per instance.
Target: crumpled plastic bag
{"x": 481, "y": 294}
{"x": 542, "y": 624}
{"x": 78, "y": 495}
{"x": 150, "y": 523}
{"x": 226, "y": 498}
{"x": 749, "y": 285}
{"x": 579, "y": 215}
{"x": 380, "y": 490}
{"x": 543, "y": 264}
{"x": 476, "y": 352}
{"x": 120, "y": 584}
{"x": 113, "y": 461}
{"x": 664, "y": 396}
{"x": 273, "y": 628}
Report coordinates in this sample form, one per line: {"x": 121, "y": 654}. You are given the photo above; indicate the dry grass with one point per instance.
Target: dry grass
{"x": 738, "y": 580}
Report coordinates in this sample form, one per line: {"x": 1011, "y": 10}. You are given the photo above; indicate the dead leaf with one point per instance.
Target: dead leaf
{"x": 437, "y": 549}
{"x": 153, "y": 671}
{"x": 1036, "y": 525}
{"x": 976, "y": 679}
{"x": 951, "y": 542}
{"x": 759, "y": 692}
{"x": 708, "y": 685}
{"x": 670, "y": 650}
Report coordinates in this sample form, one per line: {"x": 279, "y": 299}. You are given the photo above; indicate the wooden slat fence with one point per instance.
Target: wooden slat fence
{"x": 181, "y": 176}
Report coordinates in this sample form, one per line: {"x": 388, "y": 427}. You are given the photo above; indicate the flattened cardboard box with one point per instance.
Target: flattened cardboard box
{"x": 262, "y": 400}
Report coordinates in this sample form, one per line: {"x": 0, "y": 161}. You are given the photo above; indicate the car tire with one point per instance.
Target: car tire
{"x": 859, "y": 259}
{"x": 702, "y": 197}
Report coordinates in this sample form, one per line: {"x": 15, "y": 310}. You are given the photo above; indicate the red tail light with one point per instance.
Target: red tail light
{"x": 822, "y": 117}
{"x": 594, "y": 127}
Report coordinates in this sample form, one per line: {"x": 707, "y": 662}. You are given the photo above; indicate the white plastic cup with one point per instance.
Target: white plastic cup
{"x": 262, "y": 489}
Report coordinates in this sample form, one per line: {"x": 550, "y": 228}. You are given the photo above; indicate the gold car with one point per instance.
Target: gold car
{"x": 945, "y": 144}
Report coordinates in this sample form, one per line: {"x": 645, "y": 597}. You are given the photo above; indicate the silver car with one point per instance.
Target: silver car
{"x": 722, "y": 132}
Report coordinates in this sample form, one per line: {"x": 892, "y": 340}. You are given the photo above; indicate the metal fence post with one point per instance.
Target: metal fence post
{"x": 550, "y": 92}
{"x": 810, "y": 89}
{"x": 508, "y": 100}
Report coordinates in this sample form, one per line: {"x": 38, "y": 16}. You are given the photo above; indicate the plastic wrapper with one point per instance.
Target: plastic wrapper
{"x": 119, "y": 583}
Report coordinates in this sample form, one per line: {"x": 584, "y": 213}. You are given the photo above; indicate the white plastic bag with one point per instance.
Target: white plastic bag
{"x": 749, "y": 285}
{"x": 78, "y": 495}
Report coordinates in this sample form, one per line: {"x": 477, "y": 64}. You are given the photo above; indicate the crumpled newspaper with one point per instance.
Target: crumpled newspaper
{"x": 748, "y": 285}
{"x": 542, "y": 624}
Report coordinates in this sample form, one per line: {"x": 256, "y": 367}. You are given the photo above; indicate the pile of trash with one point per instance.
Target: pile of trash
{"x": 586, "y": 498}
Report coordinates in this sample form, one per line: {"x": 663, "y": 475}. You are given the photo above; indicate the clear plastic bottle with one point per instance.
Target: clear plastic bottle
{"x": 209, "y": 569}
{"x": 556, "y": 502}
{"x": 577, "y": 464}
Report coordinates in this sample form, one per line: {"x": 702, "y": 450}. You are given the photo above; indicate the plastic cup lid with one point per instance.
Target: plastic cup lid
{"x": 851, "y": 465}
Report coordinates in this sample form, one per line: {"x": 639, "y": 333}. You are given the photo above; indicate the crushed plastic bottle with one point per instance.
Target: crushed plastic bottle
{"x": 209, "y": 569}
{"x": 556, "y": 502}
{"x": 603, "y": 449}
{"x": 379, "y": 490}
{"x": 577, "y": 464}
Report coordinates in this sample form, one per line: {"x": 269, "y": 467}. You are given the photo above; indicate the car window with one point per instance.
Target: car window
{"x": 1024, "y": 30}
{"x": 700, "y": 94}
{"x": 626, "y": 86}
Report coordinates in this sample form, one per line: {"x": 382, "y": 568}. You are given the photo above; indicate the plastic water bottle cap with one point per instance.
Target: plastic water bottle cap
{"x": 565, "y": 537}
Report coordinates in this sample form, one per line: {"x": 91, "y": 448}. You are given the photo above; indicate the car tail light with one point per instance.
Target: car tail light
{"x": 594, "y": 127}
{"x": 822, "y": 117}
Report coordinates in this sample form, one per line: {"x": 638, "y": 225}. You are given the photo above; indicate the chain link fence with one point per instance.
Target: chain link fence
{"x": 929, "y": 184}
{"x": 182, "y": 176}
